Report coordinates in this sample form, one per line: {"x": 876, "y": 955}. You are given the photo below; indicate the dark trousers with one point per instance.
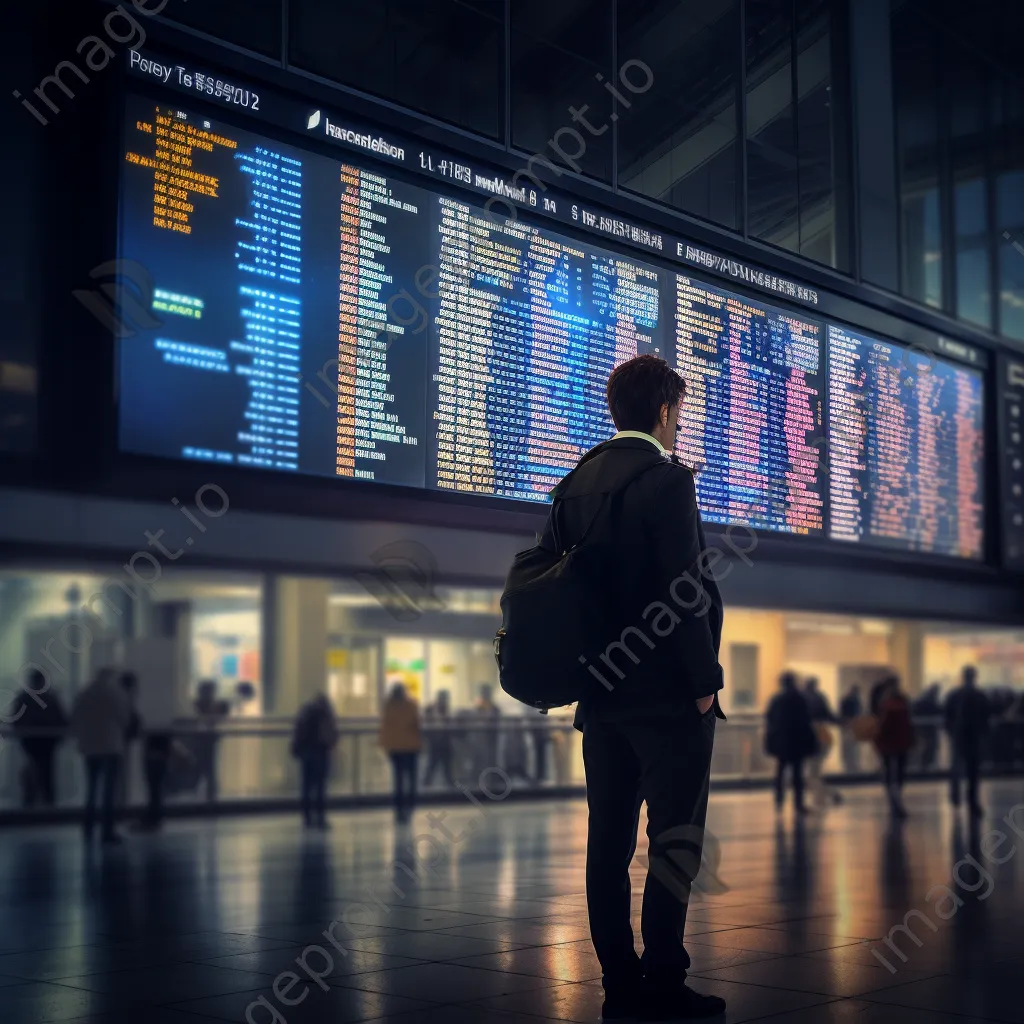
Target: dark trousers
{"x": 403, "y": 767}
{"x": 155, "y": 772}
{"x": 666, "y": 763}
{"x": 439, "y": 756}
{"x": 966, "y": 763}
{"x": 894, "y": 767}
{"x": 101, "y": 774}
{"x": 796, "y": 766}
{"x": 39, "y": 754}
{"x": 314, "y": 786}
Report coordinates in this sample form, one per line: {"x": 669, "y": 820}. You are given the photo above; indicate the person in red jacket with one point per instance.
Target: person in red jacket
{"x": 894, "y": 740}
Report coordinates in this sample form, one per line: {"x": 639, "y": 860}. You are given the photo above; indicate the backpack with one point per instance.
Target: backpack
{"x": 553, "y": 613}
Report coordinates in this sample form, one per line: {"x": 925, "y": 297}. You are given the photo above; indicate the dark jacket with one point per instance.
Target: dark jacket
{"x": 850, "y": 706}
{"x": 663, "y": 654}
{"x": 819, "y": 707}
{"x": 967, "y": 713}
{"x": 895, "y": 729}
{"x": 315, "y": 730}
{"x": 789, "y": 734}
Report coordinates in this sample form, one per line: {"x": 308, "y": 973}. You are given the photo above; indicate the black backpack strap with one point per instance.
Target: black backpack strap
{"x": 608, "y": 497}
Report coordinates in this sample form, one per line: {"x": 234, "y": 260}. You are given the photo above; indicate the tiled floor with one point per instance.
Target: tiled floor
{"x": 476, "y": 914}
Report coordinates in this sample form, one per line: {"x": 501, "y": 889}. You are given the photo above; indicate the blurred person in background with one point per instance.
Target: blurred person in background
{"x": 540, "y": 734}
{"x": 440, "y": 749}
{"x": 514, "y": 733}
{"x": 130, "y": 685}
{"x": 1016, "y": 718}
{"x": 850, "y": 709}
{"x": 400, "y": 738}
{"x": 967, "y": 714}
{"x": 30, "y": 714}
{"x": 822, "y": 716}
{"x": 210, "y": 712}
{"x": 100, "y": 720}
{"x": 789, "y": 738}
{"x": 878, "y": 692}
{"x": 315, "y": 735}
{"x": 1001, "y": 738}
{"x": 894, "y": 741}
{"x": 929, "y": 708}
{"x": 487, "y": 720}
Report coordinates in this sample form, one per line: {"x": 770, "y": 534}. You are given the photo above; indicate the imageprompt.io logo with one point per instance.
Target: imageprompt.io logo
{"x": 313, "y": 120}
{"x": 123, "y": 304}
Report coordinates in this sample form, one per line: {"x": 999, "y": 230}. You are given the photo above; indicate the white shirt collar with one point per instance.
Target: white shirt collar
{"x": 640, "y": 434}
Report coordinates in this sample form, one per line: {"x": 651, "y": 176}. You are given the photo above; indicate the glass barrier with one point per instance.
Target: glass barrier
{"x": 252, "y": 761}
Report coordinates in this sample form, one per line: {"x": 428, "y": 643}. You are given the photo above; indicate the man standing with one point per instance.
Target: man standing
{"x": 789, "y": 737}
{"x": 438, "y": 719}
{"x": 315, "y": 736}
{"x": 100, "y": 721}
{"x": 822, "y": 716}
{"x": 648, "y": 731}
{"x": 967, "y": 713}
{"x": 850, "y": 708}
{"x": 38, "y": 724}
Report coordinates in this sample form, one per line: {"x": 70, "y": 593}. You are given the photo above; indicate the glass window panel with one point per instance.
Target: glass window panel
{"x": 915, "y": 84}
{"x": 252, "y": 24}
{"x": 1008, "y": 153}
{"x": 677, "y": 142}
{"x": 815, "y": 113}
{"x": 560, "y": 108}
{"x": 444, "y": 58}
{"x": 965, "y": 87}
{"x": 1010, "y": 193}
{"x": 773, "y": 197}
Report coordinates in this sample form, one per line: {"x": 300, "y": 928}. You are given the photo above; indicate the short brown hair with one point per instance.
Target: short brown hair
{"x": 638, "y": 388}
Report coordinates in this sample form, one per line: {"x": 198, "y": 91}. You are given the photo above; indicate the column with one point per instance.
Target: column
{"x": 295, "y": 641}
{"x": 906, "y": 649}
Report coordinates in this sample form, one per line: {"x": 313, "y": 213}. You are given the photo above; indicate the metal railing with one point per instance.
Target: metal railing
{"x": 249, "y": 760}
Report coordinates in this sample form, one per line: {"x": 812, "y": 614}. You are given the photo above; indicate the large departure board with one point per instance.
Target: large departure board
{"x": 324, "y": 316}
{"x": 753, "y": 418}
{"x": 906, "y": 447}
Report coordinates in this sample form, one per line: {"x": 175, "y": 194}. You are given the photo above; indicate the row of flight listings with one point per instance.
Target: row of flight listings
{"x": 496, "y": 385}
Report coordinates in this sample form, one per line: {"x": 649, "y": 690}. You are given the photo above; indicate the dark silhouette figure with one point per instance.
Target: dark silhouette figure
{"x": 315, "y": 735}
{"x": 894, "y": 740}
{"x": 822, "y": 716}
{"x": 210, "y": 711}
{"x": 100, "y": 721}
{"x": 440, "y": 751}
{"x": 789, "y": 738}
{"x": 850, "y": 708}
{"x": 514, "y": 752}
{"x": 400, "y": 737}
{"x": 928, "y": 706}
{"x": 157, "y": 748}
{"x": 648, "y": 730}
{"x": 487, "y": 716}
{"x": 540, "y": 735}
{"x": 33, "y": 713}
{"x": 967, "y": 714}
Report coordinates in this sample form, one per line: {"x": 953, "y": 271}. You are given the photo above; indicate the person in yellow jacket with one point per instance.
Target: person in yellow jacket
{"x": 400, "y": 737}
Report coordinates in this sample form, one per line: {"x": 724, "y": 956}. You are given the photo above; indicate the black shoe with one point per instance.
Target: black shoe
{"x": 622, "y": 1008}
{"x": 682, "y": 1003}
{"x": 978, "y": 811}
